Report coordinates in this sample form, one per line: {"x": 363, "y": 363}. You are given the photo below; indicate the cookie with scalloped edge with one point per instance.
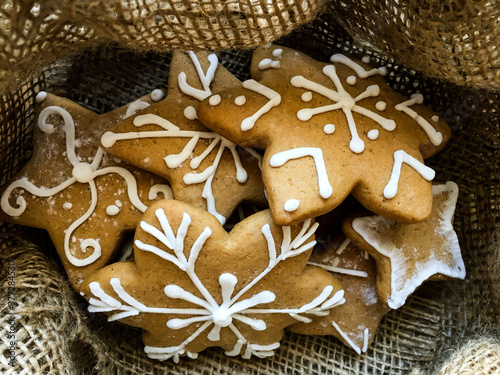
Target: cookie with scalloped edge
{"x": 329, "y": 129}
{"x": 356, "y": 321}
{"x": 409, "y": 254}
{"x": 204, "y": 168}
{"x": 192, "y": 285}
{"x": 85, "y": 198}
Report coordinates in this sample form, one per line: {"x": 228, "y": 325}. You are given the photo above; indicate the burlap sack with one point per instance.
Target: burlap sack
{"x": 449, "y": 327}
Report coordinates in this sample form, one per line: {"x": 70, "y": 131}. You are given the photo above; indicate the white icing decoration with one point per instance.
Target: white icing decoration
{"x": 190, "y": 113}
{"x": 170, "y": 130}
{"x": 135, "y": 107}
{"x": 360, "y": 71}
{"x": 373, "y": 134}
{"x": 112, "y": 210}
{"x": 329, "y": 128}
{"x": 345, "y": 271}
{"x": 381, "y": 105}
{"x": 435, "y": 118}
{"x": 279, "y": 159}
{"x": 206, "y": 310}
{"x": 343, "y": 101}
{"x": 278, "y": 52}
{"x": 401, "y": 157}
{"x": 351, "y": 80}
{"x": 346, "y": 338}
{"x": 268, "y": 63}
{"x": 377, "y": 231}
{"x": 157, "y": 95}
{"x": 365, "y": 59}
{"x": 291, "y": 205}
{"x": 366, "y": 333}
{"x": 41, "y": 96}
{"x": 307, "y": 96}
{"x": 214, "y": 100}
{"x": 160, "y": 188}
{"x": 343, "y": 246}
{"x": 67, "y": 205}
{"x": 82, "y": 172}
{"x": 240, "y": 100}
{"x": 205, "y": 79}
{"x": 435, "y": 137}
{"x": 274, "y": 100}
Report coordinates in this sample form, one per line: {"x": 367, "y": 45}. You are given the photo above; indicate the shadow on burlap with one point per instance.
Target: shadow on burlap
{"x": 450, "y": 326}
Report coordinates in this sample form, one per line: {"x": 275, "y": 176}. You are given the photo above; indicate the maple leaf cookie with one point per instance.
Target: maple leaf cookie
{"x": 409, "y": 254}
{"x": 83, "y": 197}
{"x": 204, "y": 169}
{"x": 193, "y": 285}
{"x": 329, "y": 130}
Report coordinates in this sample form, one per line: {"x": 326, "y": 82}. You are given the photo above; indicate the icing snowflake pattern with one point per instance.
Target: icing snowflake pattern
{"x": 171, "y": 130}
{"x": 207, "y": 310}
{"x": 84, "y": 173}
{"x": 343, "y": 100}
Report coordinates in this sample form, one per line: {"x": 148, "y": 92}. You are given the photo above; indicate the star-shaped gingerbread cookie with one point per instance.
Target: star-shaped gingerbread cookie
{"x": 193, "y": 285}
{"x": 354, "y": 322}
{"x": 409, "y": 254}
{"x": 83, "y": 197}
{"x": 204, "y": 169}
{"x": 329, "y": 130}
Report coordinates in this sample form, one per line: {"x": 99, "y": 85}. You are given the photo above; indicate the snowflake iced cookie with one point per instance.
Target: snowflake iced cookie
{"x": 409, "y": 254}
{"x": 356, "y": 321}
{"x": 83, "y": 197}
{"x": 193, "y": 285}
{"x": 329, "y": 130}
{"x": 204, "y": 169}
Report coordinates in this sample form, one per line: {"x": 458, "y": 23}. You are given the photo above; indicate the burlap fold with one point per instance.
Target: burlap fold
{"x": 449, "y": 326}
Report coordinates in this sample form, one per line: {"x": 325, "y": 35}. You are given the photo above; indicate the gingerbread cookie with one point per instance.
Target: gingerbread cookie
{"x": 409, "y": 254}
{"x": 356, "y": 321}
{"x": 193, "y": 285}
{"x": 204, "y": 169}
{"x": 329, "y": 130}
{"x": 83, "y": 197}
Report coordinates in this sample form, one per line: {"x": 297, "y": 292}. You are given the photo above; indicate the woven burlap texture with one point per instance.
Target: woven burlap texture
{"x": 34, "y": 33}
{"x": 440, "y": 325}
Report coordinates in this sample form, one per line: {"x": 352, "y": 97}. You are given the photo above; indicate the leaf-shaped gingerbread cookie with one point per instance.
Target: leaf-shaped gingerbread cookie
{"x": 329, "y": 130}
{"x": 409, "y": 254}
{"x": 204, "y": 169}
{"x": 84, "y": 198}
{"x": 193, "y": 285}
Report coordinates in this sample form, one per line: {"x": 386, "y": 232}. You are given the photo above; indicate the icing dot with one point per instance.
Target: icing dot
{"x": 157, "y": 95}
{"x": 268, "y": 63}
{"x": 435, "y": 118}
{"x": 291, "y": 205}
{"x": 278, "y": 52}
{"x": 112, "y": 210}
{"x": 351, "y": 80}
{"x": 240, "y": 100}
{"x": 40, "y": 97}
{"x": 307, "y": 96}
{"x": 118, "y": 203}
{"x": 366, "y": 59}
{"x": 214, "y": 100}
{"x": 373, "y": 134}
{"x": 380, "y": 106}
{"x": 329, "y": 128}
{"x": 190, "y": 113}
{"x": 67, "y": 206}
{"x": 83, "y": 172}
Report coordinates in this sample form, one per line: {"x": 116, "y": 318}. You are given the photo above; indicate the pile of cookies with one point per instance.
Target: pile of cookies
{"x": 302, "y": 137}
